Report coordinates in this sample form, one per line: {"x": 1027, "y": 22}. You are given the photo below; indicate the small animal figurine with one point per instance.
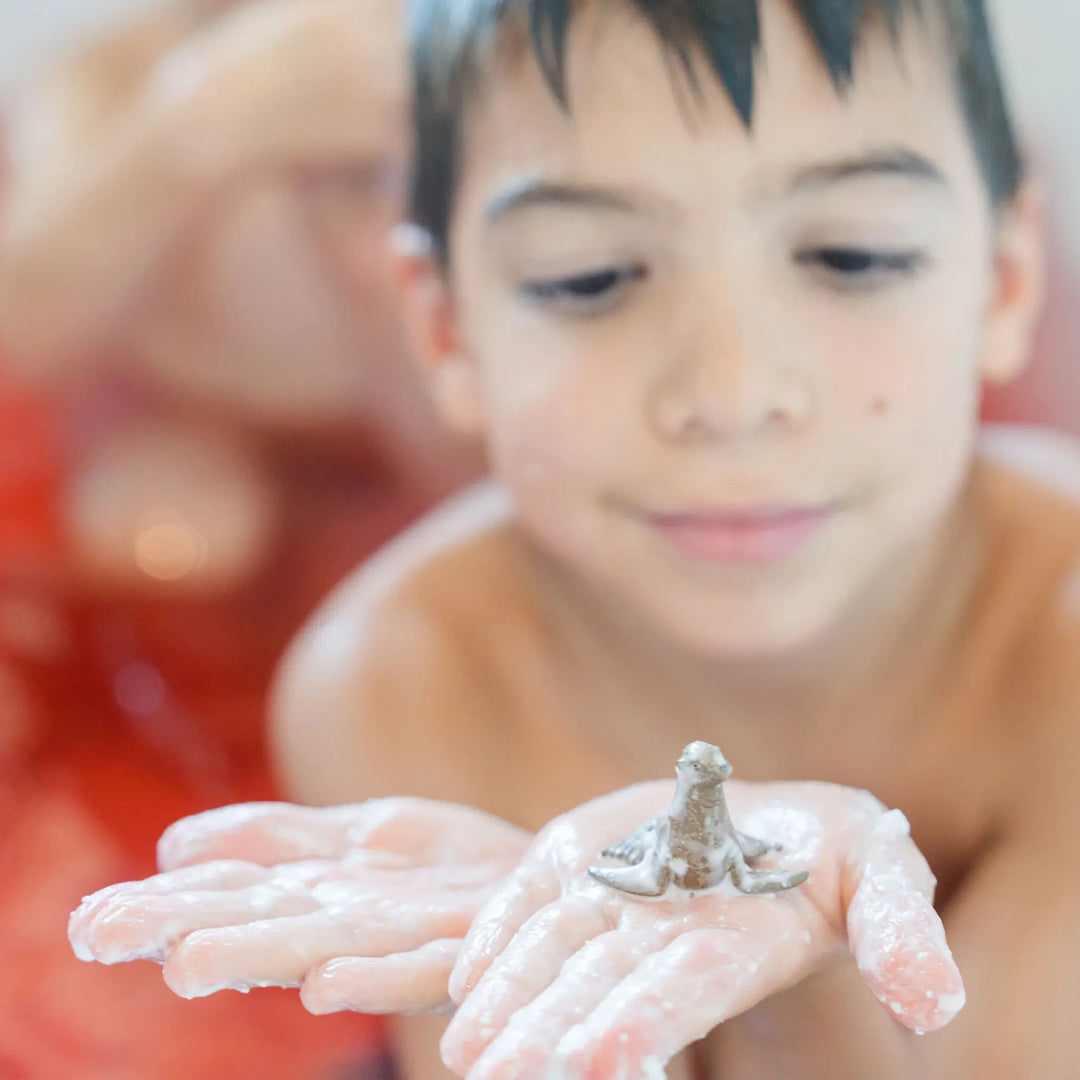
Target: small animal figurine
{"x": 693, "y": 846}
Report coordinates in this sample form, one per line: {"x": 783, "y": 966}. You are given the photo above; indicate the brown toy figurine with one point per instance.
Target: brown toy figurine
{"x": 694, "y": 845}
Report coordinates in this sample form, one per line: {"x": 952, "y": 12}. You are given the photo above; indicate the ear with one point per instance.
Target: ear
{"x": 432, "y": 332}
{"x": 1019, "y": 285}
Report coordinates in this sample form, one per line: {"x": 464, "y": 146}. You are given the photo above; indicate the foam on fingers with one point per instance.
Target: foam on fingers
{"x": 279, "y": 951}
{"x": 675, "y": 997}
{"x": 900, "y": 947}
{"x": 134, "y": 901}
{"x": 502, "y": 915}
{"x": 527, "y": 966}
{"x": 263, "y": 833}
{"x": 523, "y": 1051}
{"x": 897, "y": 937}
{"x": 407, "y": 982}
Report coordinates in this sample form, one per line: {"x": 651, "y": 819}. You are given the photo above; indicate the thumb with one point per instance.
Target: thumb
{"x": 897, "y": 937}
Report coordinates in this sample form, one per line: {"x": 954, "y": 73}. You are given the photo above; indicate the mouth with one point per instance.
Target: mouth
{"x": 759, "y": 534}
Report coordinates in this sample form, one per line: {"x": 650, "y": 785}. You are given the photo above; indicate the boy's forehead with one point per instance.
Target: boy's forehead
{"x": 633, "y": 115}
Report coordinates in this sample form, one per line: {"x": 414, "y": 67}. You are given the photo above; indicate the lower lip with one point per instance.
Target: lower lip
{"x": 750, "y": 542}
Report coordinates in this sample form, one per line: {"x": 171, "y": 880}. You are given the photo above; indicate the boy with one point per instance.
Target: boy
{"x": 722, "y": 315}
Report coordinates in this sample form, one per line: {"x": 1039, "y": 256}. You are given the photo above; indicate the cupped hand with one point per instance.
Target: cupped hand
{"x": 363, "y": 907}
{"x": 562, "y": 975}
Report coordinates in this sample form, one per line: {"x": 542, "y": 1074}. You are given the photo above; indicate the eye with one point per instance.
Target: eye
{"x": 859, "y": 268}
{"x": 587, "y": 293}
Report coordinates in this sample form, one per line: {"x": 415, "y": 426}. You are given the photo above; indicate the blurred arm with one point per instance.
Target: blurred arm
{"x": 116, "y": 157}
{"x": 95, "y": 194}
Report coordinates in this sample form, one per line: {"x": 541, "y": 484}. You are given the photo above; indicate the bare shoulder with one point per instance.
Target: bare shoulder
{"x": 1048, "y": 694}
{"x": 1049, "y": 458}
{"x": 399, "y": 683}
{"x": 1038, "y": 492}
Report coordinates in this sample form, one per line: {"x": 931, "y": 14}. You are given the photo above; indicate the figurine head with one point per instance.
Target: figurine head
{"x": 701, "y": 762}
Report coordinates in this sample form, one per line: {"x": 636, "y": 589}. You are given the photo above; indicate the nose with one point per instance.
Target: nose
{"x": 720, "y": 388}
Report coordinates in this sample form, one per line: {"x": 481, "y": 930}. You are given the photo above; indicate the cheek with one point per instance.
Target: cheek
{"x": 550, "y": 421}
{"x": 914, "y": 405}
{"x": 537, "y": 449}
{"x": 546, "y": 443}
{"x": 913, "y": 388}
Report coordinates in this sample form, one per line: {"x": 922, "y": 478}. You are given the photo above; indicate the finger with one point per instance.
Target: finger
{"x": 263, "y": 833}
{"x": 407, "y": 982}
{"x": 525, "y": 892}
{"x": 527, "y": 966}
{"x": 146, "y": 926}
{"x": 220, "y": 875}
{"x": 896, "y": 935}
{"x": 676, "y": 997}
{"x": 409, "y": 831}
{"x": 524, "y": 1049}
{"x": 406, "y": 907}
{"x": 281, "y": 952}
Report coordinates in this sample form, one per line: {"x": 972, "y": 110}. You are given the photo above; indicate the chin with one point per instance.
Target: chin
{"x": 749, "y": 636}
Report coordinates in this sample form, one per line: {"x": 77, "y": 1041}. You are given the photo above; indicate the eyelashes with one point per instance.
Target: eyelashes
{"x": 859, "y": 268}
{"x": 845, "y": 268}
{"x": 587, "y": 292}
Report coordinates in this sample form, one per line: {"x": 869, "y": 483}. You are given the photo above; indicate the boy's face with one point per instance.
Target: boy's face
{"x": 730, "y": 377}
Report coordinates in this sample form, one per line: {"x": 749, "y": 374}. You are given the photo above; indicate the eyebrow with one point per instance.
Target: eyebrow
{"x": 888, "y": 161}
{"x": 530, "y": 193}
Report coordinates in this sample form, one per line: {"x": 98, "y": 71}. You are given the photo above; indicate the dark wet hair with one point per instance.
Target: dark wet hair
{"x": 450, "y": 40}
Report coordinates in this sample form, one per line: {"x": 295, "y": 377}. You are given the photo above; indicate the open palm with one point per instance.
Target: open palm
{"x": 563, "y": 975}
{"x": 363, "y": 906}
